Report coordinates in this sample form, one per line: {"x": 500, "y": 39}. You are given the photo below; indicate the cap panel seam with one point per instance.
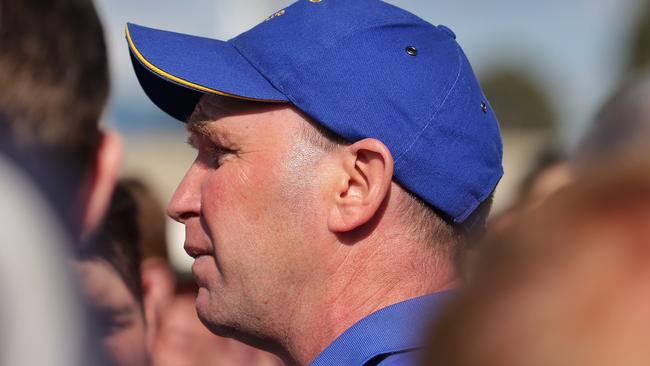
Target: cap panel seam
{"x": 435, "y": 114}
{"x": 363, "y": 27}
{"x": 257, "y": 69}
{"x": 279, "y": 82}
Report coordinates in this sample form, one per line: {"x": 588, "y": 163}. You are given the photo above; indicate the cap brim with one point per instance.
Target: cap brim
{"x": 176, "y": 69}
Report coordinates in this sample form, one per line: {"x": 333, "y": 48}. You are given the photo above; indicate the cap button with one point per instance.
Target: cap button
{"x": 447, "y": 30}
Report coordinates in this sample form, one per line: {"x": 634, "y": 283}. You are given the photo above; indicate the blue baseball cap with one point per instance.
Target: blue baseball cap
{"x": 360, "y": 68}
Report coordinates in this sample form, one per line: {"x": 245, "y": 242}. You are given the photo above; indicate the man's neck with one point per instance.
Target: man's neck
{"x": 363, "y": 284}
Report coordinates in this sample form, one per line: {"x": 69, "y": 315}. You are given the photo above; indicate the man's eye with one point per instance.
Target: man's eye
{"x": 216, "y": 155}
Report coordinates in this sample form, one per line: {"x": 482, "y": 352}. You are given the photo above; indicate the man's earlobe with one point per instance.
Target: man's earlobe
{"x": 365, "y": 182}
{"x": 97, "y": 190}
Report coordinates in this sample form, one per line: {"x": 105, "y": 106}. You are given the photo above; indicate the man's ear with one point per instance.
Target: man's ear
{"x": 158, "y": 285}
{"x": 362, "y": 184}
{"x": 95, "y": 197}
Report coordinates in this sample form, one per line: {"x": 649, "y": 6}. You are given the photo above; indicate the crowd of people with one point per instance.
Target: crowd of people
{"x": 338, "y": 210}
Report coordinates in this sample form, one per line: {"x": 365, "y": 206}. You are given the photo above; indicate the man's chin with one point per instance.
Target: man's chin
{"x": 219, "y": 324}
{"x": 210, "y": 314}
{"x": 217, "y": 327}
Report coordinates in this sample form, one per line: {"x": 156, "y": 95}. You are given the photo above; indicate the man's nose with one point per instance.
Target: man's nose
{"x": 186, "y": 202}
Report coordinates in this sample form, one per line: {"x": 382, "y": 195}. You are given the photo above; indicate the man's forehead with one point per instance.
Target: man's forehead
{"x": 212, "y": 108}
{"x": 215, "y": 108}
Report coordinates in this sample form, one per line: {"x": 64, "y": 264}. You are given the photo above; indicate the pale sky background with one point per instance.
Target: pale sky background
{"x": 573, "y": 48}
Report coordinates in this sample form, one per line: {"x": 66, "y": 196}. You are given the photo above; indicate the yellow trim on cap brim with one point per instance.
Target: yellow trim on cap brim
{"x": 189, "y": 84}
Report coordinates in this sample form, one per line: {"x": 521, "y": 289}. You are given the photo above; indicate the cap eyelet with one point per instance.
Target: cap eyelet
{"x": 411, "y": 50}
{"x": 484, "y": 107}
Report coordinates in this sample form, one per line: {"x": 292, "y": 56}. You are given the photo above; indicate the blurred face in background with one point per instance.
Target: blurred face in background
{"x": 119, "y": 316}
{"x": 183, "y": 341}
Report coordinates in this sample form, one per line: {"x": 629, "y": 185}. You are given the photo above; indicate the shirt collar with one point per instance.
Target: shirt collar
{"x": 397, "y": 328}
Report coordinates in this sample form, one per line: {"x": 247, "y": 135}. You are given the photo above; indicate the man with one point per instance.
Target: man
{"x": 345, "y": 154}
{"x": 109, "y": 272}
{"x": 158, "y": 280}
{"x": 53, "y": 89}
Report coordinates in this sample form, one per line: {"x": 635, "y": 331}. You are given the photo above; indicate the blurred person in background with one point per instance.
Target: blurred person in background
{"x": 621, "y": 126}
{"x": 568, "y": 284}
{"x": 109, "y": 271}
{"x": 345, "y": 156}
{"x": 40, "y": 305}
{"x": 157, "y": 276}
{"x": 182, "y": 340}
{"x": 550, "y": 172}
{"x": 53, "y": 88}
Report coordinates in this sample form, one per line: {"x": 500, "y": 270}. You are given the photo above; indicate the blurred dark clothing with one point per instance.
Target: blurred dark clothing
{"x": 45, "y": 322}
{"x": 48, "y": 172}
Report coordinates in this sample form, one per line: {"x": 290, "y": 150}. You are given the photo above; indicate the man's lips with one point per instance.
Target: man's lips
{"x": 195, "y": 251}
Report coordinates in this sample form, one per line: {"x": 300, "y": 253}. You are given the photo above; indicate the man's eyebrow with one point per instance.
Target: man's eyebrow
{"x": 202, "y": 128}
{"x": 198, "y": 127}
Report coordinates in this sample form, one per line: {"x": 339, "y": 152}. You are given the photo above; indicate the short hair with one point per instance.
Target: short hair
{"x": 150, "y": 218}
{"x": 426, "y": 222}
{"x": 53, "y": 78}
{"x": 116, "y": 242}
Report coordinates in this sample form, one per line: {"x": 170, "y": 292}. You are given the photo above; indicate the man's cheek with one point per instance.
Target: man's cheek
{"x": 243, "y": 178}
{"x": 218, "y": 187}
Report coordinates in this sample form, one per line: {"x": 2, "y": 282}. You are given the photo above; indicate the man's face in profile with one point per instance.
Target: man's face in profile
{"x": 249, "y": 204}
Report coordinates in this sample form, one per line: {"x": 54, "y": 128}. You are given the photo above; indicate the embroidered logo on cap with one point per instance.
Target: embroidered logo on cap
{"x": 277, "y": 14}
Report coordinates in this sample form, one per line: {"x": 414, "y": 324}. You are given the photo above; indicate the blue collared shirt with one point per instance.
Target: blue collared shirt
{"x": 388, "y": 337}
